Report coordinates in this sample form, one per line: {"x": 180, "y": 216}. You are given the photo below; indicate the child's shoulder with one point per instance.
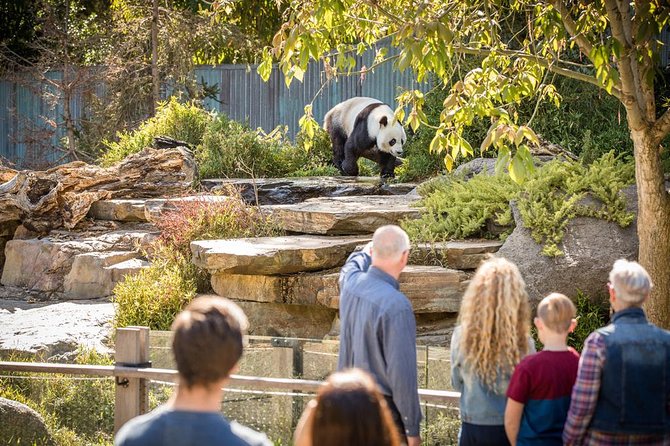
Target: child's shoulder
{"x": 544, "y": 357}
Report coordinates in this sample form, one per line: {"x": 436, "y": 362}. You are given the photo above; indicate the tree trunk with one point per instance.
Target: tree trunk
{"x": 653, "y": 225}
{"x": 155, "y": 78}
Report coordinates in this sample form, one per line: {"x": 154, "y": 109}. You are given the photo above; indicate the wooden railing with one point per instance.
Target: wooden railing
{"x": 131, "y": 397}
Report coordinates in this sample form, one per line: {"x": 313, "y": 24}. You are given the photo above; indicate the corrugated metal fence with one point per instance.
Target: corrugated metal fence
{"x": 30, "y": 121}
{"x": 30, "y": 118}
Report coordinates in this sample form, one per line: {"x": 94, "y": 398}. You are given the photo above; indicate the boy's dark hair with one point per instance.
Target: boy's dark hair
{"x": 207, "y": 340}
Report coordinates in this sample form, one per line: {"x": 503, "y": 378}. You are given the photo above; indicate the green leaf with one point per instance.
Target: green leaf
{"x": 502, "y": 161}
{"x": 517, "y": 169}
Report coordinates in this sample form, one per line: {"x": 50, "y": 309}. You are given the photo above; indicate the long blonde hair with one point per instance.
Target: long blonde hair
{"x": 495, "y": 321}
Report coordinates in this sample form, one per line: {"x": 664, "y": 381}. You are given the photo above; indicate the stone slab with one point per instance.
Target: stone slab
{"x": 296, "y": 190}
{"x": 273, "y": 255}
{"x": 95, "y": 274}
{"x": 41, "y": 264}
{"x": 56, "y": 331}
{"x": 154, "y": 208}
{"x": 118, "y": 210}
{"x": 285, "y": 320}
{"x": 457, "y": 254}
{"x": 344, "y": 215}
{"x": 430, "y": 289}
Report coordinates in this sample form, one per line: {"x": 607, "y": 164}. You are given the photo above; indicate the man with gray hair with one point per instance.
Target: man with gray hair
{"x": 377, "y": 325}
{"x": 622, "y": 392}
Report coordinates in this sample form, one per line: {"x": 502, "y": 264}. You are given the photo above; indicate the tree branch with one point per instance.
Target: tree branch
{"x": 571, "y": 27}
{"x": 616, "y": 92}
{"x": 632, "y": 94}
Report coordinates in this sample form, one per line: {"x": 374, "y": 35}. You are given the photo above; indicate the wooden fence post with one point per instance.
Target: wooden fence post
{"x": 131, "y": 396}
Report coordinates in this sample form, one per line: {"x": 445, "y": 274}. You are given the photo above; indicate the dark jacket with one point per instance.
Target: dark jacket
{"x": 635, "y": 382}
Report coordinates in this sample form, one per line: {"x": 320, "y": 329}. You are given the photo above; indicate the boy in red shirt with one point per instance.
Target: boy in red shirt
{"x": 538, "y": 396}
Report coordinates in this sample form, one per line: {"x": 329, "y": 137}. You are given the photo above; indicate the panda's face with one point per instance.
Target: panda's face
{"x": 391, "y": 138}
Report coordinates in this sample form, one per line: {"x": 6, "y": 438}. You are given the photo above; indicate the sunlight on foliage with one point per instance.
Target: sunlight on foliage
{"x": 557, "y": 192}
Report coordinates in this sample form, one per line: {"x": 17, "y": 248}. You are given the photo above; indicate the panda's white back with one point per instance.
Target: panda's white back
{"x": 344, "y": 114}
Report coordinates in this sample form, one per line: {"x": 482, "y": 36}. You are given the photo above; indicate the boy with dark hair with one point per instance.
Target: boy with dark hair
{"x": 538, "y": 396}
{"x": 207, "y": 346}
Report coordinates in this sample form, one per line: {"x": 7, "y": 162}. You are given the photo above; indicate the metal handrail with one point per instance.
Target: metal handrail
{"x": 444, "y": 397}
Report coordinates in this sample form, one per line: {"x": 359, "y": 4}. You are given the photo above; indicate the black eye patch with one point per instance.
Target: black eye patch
{"x": 392, "y": 142}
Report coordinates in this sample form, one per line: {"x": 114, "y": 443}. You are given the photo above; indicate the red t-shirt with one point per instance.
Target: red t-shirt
{"x": 543, "y": 383}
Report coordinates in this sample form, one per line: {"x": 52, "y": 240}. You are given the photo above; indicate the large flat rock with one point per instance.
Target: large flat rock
{"x": 118, "y": 210}
{"x": 285, "y": 320}
{"x": 295, "y": 190}
{"x": 457, "y": 254}
{"x": 344, "y": 215}
{"x": 55, "y": 331}
{"x": 430, "y": 289}
{"x": 43, "y": 264}
{"x": 273, "y": 255}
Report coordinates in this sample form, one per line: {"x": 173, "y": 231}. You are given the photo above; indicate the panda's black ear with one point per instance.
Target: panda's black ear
{"x": 384, "y": 121}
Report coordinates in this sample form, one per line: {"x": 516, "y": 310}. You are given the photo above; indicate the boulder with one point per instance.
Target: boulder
{"x": 434, "y": 329}
{"x": 294, "y": 190}
{"x": 457, "y": 254}
{"x": 286, "y": 320}
{"x": 344, "y": 215}
{"x": 590, "y": 246}
{"x": 273, "y": 255}
{"x": 430, "y": 289}
{"x": 22, "y": 426}
{"x": 62, "y": 196}
{"x": 43, "y": 264}
{"x": 95, "y": 274}
{"x": 118, "y": 210}
{"x": 56, "y": 331}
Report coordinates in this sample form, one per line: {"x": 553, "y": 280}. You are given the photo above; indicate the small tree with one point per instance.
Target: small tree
{"x": 612, "y": 44}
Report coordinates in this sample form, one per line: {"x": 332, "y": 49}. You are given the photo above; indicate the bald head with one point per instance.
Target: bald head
{"x": 389, "y": 243}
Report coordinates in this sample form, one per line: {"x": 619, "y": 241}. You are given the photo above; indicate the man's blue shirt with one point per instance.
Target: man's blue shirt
{"x": 378, "y": 334}
{"x": 165, "y": 427}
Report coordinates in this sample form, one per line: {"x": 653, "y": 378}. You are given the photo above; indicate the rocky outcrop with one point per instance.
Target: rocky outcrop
{"x": 22, "y": 426}
{"x": 286, "y": 320}
{"x": 55, "y": 331}
{"x": 265, "y": 191}
{"x": 457, "y": 254}
{"x": 430, "y": 289}
{"x": 118, "y": 210}
{"x": 62, "y": 196}
{"x": 273, "y": 255}
{"x": 590, "y": 246}
{"x": 70, "y": 265}
{"x": 344, "y": 215}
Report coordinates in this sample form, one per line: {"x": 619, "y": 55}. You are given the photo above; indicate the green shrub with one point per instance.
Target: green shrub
{"x": 591, "y": 315}
{"x": 456, "y": 208}
{"x": 553, "y": 195}
{"x": 155, "y": 295}
{"x": 77, "y": 412}
{"x": 207, "y": 220}
{"x": 441, "y": 430}
{"x": 231, "y": 149}
{"x": 184, "y": 122}
{"x": 556, "y": 193}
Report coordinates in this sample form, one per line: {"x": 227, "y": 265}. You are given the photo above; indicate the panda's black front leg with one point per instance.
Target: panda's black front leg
{"x": 387, "y": 164}
{"x": 339, "y": 141}
{"x": 350, "y": 162}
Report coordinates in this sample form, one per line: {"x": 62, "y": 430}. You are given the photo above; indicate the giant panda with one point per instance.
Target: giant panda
{"x": 364, "y": 127}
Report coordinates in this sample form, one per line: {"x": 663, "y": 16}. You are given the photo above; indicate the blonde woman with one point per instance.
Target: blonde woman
{"x": 493, "y": 335}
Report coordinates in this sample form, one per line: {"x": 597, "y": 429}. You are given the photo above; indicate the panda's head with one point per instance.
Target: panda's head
{"x": 391, "y": 136}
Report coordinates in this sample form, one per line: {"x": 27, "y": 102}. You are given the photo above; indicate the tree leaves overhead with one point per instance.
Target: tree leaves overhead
{"x": 519, "y": 43}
